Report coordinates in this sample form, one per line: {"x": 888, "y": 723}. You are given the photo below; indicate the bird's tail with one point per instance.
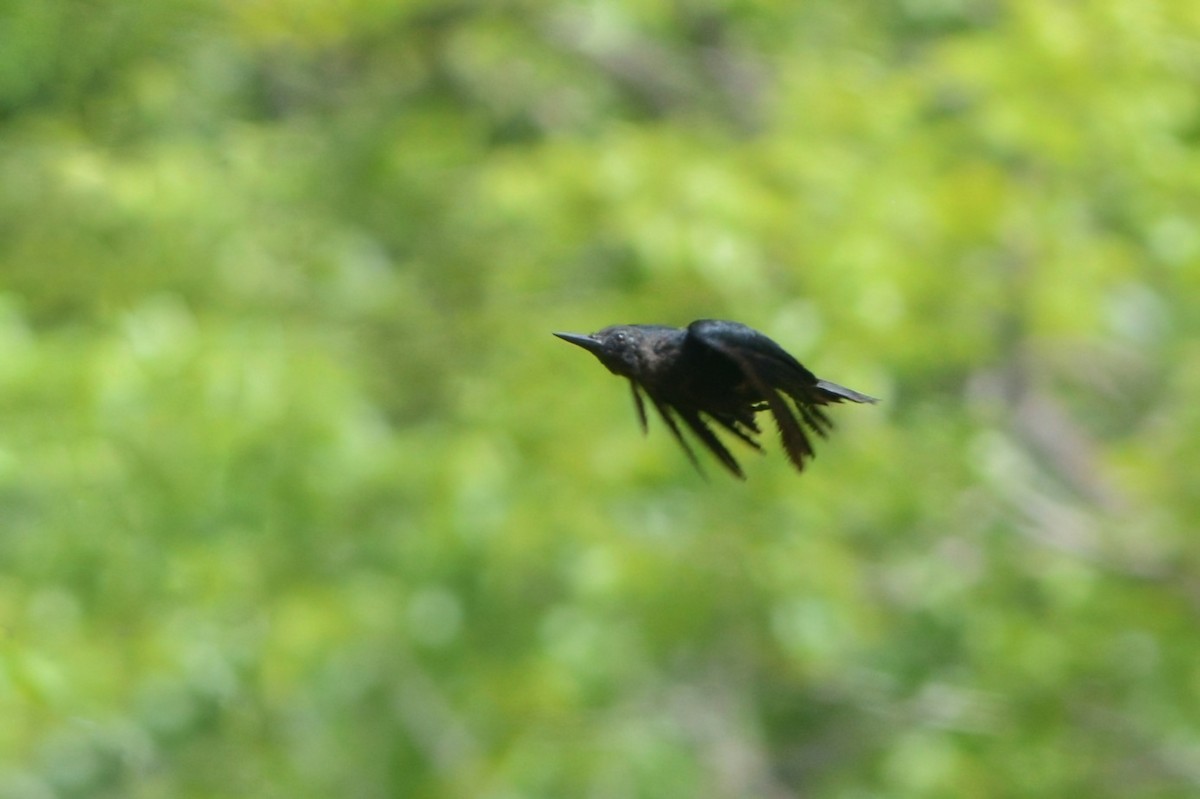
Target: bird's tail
{"x": 832, "y": 392}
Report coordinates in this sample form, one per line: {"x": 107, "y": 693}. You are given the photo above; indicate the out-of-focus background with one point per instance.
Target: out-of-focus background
{"x": 300, "y": 498}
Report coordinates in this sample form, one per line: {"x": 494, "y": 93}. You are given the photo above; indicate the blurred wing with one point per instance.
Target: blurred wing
{"x": 693, "y": 420}
{"x": 710, "y": 440}
{"x": 641, "y": 406}
{"x": 664, "y": 411}
{"x": 769, "y": 369}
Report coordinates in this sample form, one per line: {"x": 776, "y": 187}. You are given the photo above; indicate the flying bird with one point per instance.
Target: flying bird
{"x": 723, "y": 372}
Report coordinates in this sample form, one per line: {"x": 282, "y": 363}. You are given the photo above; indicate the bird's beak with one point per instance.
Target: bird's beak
{"x": 587, "y": 342}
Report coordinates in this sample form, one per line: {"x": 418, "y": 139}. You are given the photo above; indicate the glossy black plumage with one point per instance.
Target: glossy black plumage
{"x": 723, "y": 372}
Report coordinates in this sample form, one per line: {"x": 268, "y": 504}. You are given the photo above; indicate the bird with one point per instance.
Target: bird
{"x": 721, "y": 372}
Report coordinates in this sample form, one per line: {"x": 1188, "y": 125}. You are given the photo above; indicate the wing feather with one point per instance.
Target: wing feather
{"x": 664, "y": 411}
{"x": 774, "y": 381}
{"x": 770, "y": 369}
{"x": 640, "y": 405}
{"x": 710, "y": 440}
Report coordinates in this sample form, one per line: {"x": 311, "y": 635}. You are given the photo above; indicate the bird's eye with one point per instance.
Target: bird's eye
{"x": 619, "y": 338}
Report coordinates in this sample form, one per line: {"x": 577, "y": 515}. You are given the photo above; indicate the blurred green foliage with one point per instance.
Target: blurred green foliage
{"x": 298, "y": 496}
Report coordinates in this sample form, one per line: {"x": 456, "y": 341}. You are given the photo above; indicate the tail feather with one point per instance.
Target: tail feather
{"x": 832, "y": 392}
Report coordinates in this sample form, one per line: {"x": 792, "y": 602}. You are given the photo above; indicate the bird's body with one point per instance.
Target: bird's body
{"x": 721, "y": 371}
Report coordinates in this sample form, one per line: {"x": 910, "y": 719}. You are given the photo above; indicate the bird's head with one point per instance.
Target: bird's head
{"x": 619, "y": 347}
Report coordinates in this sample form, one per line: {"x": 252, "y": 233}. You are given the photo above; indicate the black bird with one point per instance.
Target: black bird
{"x": 720, "y": 371}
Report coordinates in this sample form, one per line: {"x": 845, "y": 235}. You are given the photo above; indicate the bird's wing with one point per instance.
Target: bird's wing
{"x": 641, "y": 406}
{"x": 720, "y": 334}
{"x": 693, "y": 420}
{"x": 664, "y": 410}
{"x": 750, "y": 342}
{"x": 770, "y": 370}
{"x": 706, "y": 435}
{"x": 741, "y": 428}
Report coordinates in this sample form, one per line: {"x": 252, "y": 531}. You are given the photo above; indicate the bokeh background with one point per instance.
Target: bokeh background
{"x": 300, "y": 498}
